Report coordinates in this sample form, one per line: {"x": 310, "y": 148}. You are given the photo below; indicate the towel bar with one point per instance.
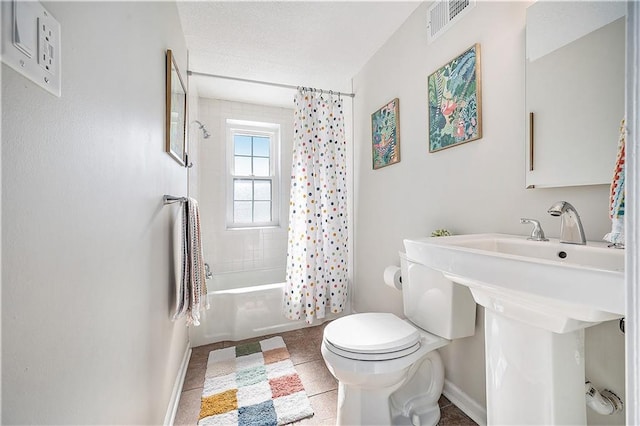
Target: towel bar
{"x": 170, "y": 199}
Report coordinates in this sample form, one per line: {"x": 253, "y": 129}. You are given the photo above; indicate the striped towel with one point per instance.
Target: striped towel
{"x": 616, "y": 198}
{"x": 193, "y": 287}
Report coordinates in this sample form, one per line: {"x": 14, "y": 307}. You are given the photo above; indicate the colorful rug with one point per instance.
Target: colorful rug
{"x": 253, "y": 384}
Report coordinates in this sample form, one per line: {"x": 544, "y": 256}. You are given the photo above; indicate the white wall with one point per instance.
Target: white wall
{"x": 231, "y": 250}
{"x": 472, "y": 188}
{"x": 86, "y": 260}
{"x": 194, "y": 139}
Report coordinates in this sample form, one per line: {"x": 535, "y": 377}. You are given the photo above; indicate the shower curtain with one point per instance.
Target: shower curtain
{"x": 316, "y": 277}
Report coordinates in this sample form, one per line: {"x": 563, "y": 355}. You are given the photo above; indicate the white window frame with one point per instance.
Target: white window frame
{"x": 254, "y": 128}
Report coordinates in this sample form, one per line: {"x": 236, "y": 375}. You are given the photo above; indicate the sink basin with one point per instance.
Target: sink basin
{"x": 558, "y": 287}
{"x": 538, "y": 295}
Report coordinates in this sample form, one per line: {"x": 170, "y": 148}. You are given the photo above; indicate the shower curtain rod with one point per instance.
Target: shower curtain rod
{"x": 267, "y": 83}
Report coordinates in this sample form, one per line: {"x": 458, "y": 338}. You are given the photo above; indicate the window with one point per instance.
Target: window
{"x": 253, "y": 179}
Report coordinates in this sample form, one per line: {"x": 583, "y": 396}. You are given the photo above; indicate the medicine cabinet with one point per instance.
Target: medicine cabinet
{"x": 575, "y": 83}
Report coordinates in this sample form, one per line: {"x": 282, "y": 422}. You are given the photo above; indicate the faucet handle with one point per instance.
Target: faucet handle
{"x": 537, "y": 234}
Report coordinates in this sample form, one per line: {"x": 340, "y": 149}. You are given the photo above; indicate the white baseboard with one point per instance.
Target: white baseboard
{"x": 469, "y": 406}
{"x": 170, "y": 416}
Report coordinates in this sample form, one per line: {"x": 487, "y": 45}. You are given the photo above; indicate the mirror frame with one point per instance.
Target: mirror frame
{"x": 176, "y": 111}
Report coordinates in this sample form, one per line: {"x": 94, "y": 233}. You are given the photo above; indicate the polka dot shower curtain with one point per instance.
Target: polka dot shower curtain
{"x": 316, "y": 278}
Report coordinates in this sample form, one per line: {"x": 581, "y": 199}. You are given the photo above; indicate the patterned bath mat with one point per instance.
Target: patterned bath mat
{"x": 253, "y": 384}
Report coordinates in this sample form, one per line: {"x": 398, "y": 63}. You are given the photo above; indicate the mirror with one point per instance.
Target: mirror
{"x": 575, "y": 84}
{"x": 176, "y": 109}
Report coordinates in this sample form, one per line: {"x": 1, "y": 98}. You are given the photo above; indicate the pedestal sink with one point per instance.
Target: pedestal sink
{"x": 538, "y": 299}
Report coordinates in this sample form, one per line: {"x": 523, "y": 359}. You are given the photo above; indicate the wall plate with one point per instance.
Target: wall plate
{"x": 31, "y": 43}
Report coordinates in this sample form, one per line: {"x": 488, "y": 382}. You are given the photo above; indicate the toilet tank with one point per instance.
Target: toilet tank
{"x": 436, "y": 304}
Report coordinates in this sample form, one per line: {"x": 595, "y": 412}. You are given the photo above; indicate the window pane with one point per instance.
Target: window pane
{"x": 252, "y": 179}
{"x": 242, "y": 166}
{"x": 262, "y": 211}
{"x": 260, "y": 166}
{"x": 242, "y": 189}
{"x": 241, "y": 145}
{"x": 261, "y": 146}
{"x": 242, "y": 211}
{"x": 262, "y": 190}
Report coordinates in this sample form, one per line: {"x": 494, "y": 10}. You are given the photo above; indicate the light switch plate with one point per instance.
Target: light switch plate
{"x": 31, "y": 43}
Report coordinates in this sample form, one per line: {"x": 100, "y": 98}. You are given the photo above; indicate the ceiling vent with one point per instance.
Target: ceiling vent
{"x": 443, "y": 14}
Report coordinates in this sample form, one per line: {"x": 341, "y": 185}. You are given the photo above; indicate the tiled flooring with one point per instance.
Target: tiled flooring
{"x": 321, "y": 387}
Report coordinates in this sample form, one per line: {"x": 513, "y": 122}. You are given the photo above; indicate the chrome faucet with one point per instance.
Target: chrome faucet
{"x": 537, "y": 234}
{"x": 571, "y": 231}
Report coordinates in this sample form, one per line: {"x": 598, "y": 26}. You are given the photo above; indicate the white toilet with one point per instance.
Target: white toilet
{"x": 388, "y": 369}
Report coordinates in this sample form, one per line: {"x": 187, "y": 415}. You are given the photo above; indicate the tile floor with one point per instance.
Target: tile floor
{"x": 321, "y": 387}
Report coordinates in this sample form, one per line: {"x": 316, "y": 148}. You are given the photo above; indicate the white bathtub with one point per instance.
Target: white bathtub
{"x": 244, "y": 305}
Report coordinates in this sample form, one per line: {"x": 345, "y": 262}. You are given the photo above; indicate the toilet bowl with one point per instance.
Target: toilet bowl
{"x": 388, "y": 369}
{"x": 368, "y": 377}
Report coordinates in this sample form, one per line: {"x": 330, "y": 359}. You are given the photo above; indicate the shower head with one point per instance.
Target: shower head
{"x": 205, "y": 132}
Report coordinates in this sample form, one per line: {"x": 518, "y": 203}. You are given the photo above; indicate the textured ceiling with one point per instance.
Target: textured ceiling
{"x": 315, "y": 44}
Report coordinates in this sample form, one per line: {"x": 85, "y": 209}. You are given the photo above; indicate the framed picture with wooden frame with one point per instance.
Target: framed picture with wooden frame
{"x": 176, "y": 111}
{"x": 454, "y": 97}
{"x": 385, "y": 134}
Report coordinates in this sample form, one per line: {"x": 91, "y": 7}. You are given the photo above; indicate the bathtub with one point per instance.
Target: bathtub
{"x": 243, "y": 305}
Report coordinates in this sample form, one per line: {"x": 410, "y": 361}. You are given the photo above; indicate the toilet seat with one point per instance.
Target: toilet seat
{"x": 371, "y": 337}
{"x": 384, "y": 356}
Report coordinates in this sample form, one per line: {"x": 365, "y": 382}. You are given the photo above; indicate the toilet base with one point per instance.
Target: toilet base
{"x": 358, "y": 406}
{"x": 413, "y": 400}
{"x": 430, "y": 417}
{"x": 416, "y": 401}
{"x": 362, "y": 407}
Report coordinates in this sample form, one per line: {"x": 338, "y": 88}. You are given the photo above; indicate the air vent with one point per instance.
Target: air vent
{"x": 443, "y": 14}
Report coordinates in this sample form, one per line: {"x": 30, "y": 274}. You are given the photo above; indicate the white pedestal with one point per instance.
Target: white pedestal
{"x": 534, "y": 376}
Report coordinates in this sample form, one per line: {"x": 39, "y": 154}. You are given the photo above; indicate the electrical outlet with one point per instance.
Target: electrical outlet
{"x": 47, "y": 37}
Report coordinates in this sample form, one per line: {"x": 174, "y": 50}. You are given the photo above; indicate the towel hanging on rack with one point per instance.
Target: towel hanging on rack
{"x": 192, "y": 288}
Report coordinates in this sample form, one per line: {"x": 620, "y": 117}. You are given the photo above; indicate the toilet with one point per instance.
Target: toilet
{"x": 388, "y": 369}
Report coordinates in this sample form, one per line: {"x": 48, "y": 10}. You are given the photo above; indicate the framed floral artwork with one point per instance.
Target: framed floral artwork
{"x": 385, "y": 134}
{"x": 454, "y": 96}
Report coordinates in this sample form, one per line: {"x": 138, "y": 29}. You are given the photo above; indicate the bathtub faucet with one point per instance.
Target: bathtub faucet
{"x": 207, "y": 271}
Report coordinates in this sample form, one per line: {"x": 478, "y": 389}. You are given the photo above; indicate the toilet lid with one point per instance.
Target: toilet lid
{"x": 372, "y": 333}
